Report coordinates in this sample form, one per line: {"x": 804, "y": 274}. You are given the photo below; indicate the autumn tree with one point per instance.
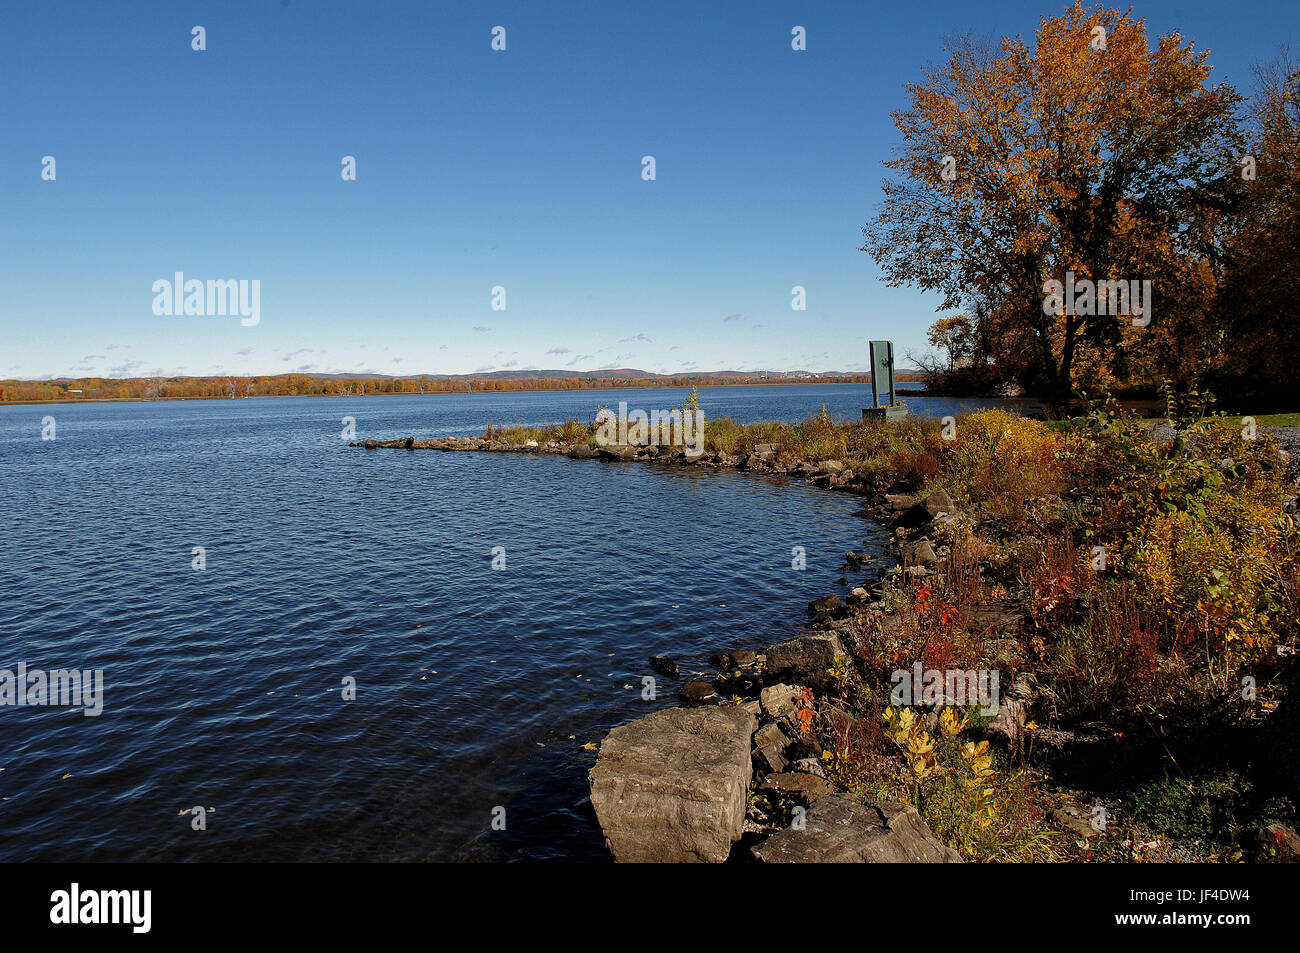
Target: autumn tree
{"x": 1259, "y": 315}
{"x": 1088, "y": 151}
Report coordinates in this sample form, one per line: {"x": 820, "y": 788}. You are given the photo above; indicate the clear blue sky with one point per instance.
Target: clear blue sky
{"x": 474, "y": 169}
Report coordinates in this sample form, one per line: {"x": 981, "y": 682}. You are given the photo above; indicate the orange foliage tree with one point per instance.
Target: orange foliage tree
{"x": 1090, "y": 150}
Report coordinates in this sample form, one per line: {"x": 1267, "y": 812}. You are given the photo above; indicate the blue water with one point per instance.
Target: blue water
{"x": 476, "y": 688}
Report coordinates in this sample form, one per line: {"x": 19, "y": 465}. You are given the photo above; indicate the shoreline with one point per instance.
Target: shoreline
{"x": 649, "y": 385}
{"x": 768, "y": 718}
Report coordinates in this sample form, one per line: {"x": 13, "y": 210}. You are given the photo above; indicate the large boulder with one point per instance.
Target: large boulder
{"x": 841, "y": 829}
{"x": 671, "y": 787}
{"x": 920, "y": 553}
{"x": 937, "y": 504}
{"x": 805, "y": 660}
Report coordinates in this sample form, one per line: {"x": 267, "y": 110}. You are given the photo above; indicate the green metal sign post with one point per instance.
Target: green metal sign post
{"x": 882, "y": 382}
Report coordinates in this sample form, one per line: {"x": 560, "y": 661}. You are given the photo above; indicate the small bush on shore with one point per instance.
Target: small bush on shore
{"x": 1000, "y": 460}
{"x": 986, "y": 810}
{"x": 1193, "y": 527}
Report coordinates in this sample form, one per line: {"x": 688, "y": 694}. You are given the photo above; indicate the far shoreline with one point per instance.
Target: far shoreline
{"x": 457, "y": 393}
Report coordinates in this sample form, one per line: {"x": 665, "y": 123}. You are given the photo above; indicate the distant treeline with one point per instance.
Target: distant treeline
{"x": 308, "y": 385}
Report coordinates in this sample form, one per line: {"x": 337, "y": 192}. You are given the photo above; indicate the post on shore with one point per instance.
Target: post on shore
{"x": 882, "y": 381}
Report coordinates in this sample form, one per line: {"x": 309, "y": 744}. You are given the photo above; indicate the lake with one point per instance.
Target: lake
{"x": 476, "y": 688}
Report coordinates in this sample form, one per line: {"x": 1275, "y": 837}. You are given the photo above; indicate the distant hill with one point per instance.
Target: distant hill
{"x": 605, "y": 373}
{"x": 341, "y": 385}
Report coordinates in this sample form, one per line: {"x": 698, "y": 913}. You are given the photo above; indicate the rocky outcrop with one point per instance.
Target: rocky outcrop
{"x": 671, "y": 787}
{"x": 840, "y": 829}
{"x": 805, "y": 660}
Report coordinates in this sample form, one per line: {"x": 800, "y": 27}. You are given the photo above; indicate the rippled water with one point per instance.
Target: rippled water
{"x": 476, "y": 688}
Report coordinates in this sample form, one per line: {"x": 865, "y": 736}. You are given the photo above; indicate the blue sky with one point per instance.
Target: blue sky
{"x": 475, "y": 169}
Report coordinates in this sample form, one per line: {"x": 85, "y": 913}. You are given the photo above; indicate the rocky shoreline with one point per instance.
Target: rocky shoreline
{"x": 737, "y": 772}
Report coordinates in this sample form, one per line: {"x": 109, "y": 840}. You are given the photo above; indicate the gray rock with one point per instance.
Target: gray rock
{"x": 697, "y": 691}
{"x": 742, "y": 657}
{"x": 1073, "y": 819}
{"x": 671, "y": 787}
{"x": 582, "y": 452}
{"x": 617, "y": 452}
{"x": 665, "y": 666}
{"x": 825, "y": 604}
{"x": 808, "y": 787}
{"x": 939, "y": 502}
{"x": 1280, "y": 841}
{"x": 779, "y": 700}
{"x": 841, "y": 829}
{"x": 770, "y": 745}
{"x": 805, "y": 659}
{"x": 920, "y": 553}
{"x": 936, "y": 504}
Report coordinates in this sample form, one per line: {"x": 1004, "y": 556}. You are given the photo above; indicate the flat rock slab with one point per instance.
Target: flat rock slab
{"x": 671, "y": 787}
{"x": 807, "y": 786}
{"x": 840, "y": 829}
